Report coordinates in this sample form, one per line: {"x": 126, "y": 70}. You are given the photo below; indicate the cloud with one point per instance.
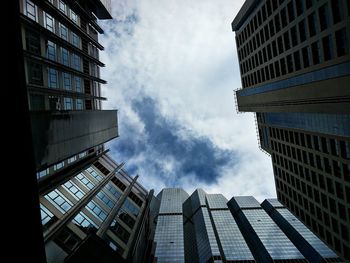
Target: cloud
{"x": 171, "y": 68}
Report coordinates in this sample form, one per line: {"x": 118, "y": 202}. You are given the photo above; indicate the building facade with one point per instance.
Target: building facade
{"x": 62, "y": 72}
{"x": 295, "y": 69}
{"x": 97, "y": 215}
{"x": 209, "y": 228}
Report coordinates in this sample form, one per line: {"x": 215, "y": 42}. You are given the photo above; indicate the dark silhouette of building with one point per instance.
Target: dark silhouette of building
{"x": 295, "y": 71}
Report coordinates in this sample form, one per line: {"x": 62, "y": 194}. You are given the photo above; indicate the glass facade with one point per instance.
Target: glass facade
{"x": 335, "y": 124}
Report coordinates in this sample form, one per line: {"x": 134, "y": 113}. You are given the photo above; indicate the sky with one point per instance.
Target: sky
{"x": 171, "y": 68}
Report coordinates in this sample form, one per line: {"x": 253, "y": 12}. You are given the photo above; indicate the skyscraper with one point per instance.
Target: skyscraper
{"x": 295, "y": 70}
{"x": 209, "y": 228}
{"x": 98, "y": 215}
{"x": 62, "y": 71}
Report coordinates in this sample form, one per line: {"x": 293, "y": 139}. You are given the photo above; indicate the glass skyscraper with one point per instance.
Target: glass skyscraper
{"x": 209, "y": 228}
{"x": 295, "y": 69}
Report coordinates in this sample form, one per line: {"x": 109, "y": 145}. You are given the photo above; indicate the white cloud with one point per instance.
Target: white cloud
{"x": 182, "y": 55}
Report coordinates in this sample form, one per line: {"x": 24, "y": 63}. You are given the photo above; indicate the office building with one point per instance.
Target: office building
{"x": 99, "y": 215}
{"x": 295, "y": 71}
{"x": 62, "y": 73}
{"x": 209, "y": 228}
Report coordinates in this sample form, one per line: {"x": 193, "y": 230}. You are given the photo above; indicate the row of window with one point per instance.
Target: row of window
{"x": 338, "y": 148}
{"x": 67, "y": 81}
{"x": 321, "y": 19}
{"x": 315, "y": 53}
{"x": 58, "y": 166}
{"x": 318, "y": 227}
{"x": 323, "y": 207}
{"x": 62, "y": 55}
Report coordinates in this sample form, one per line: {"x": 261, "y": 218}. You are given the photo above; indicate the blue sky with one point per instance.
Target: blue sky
{"x": 171, "y": 68}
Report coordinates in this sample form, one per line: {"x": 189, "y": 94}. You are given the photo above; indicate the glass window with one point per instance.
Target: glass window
{"x": 52, "y": 78}
{"x": 42, "y": 173}
{"x": 126, "y": 218}
{"x": 112, "y": 190}
{"x": 59, "y": 201}
{"x": 81, "y": 155}
{"x": 312, "y": 24}
{"x": 63, "y": 32}
{"x": 130, "y": 207}
{"x": 58, "y": 166}
{"x": 94, "y": 173}
{"x": 49, "y": 22}
{"x": 96, "y": 210}
{"x": 78, "y": 87}
{"x": 120, "y": 231}
{"x": 33, "y": 42}
{"x": 62, "y": 6}
{"x": 72, "y": 159}
{"x": 31, "y": 10}
{"x": 105, "y": 199}
{"x": 79, "y": 104}
{"x": 73, "y": 189}
{"x": 82, "y": 178}
{"x": 84, "y": 221}
{"x": 323, "y": 13}
{"x": 67, "y": 81}
{"x": 46, "y": 215}
{"x": 35, "y": 73}
{"x": 74, "y": 17}
{"x": 341, "y": 42}
{"x": 68, "y": 103}
{"x": 65, "y": 56}
{"x": 75, "y": 40}
{"x": 76, "y": 62}
{"x": 327, "y": 47}
{"x": 51, "y": 50}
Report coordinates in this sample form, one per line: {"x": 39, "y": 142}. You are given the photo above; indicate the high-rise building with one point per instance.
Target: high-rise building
{"x": 209, "y": 228}
{"x": 99, "y": 215}
{"x": 62, "y": 72}
{"x": 295, "y": 68}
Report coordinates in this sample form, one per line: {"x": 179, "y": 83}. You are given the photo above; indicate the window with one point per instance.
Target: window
{"x": 51, "y": 50}
{"x": 35, "y": 73}
{"x": 312, "y": 24}
{"x": 62, "y": 6}
{"x": 96, "y": 210}
{"x": 296, "y": 60}
{"x": 76, "y": 62}
{"x": 65, "y": 56}
{"x": 68, "y": 103}
{"x": 74, "y": 17}
{"x": 126, "y": 218}
{"x": 59, "y": 201}
{"x": 83, "y": 154}
{"x": 42, "y": 173}
{"x": 316, "y": 52}
{"x": 327, "y": 47}
{"x": 337, "y": 10}
{"x": 85, "y": 181}
{"x": 52, "y": 78}
{"x": 306, "y": 59}
{"x": 75, "y": 40}
{"x": 323, "y": 13}
{"x": 85, "y": 222}
{"x": 120, "y": 231}
{"x": 33, "y": 42}
{"x": 37, "y": 102}
{"x": 341, "y": 42}
{"x": 112, "y": 190}
{"x": 49, "y": 22}
{"x": 105, "y": 199}
{"x": 79, "y": 104}
{"x": 58, "y": 166}
{"x": 31, "y": 10}
{"x": 302, "y": 31}
{"x": 78, "y": 87}
{"x": 294, "y": 37}
{"x": 94, "y": 174}
{"x": 63, "y": 32}
{"x": 131, "y": 208}
{"x": 67, "y": 81}
{"x": 67, "y": 240}
{"x": 76, "y": 192}
{"x": 54, "y": 103}
{"x": 46, "y": 216}
{"x": 72, "y": 159}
